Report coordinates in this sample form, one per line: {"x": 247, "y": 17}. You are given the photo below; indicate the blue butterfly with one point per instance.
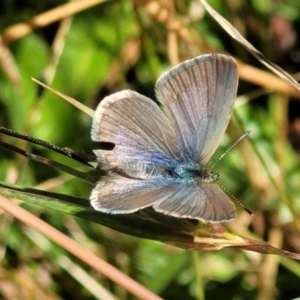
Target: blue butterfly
{"x": 160, "y": 151}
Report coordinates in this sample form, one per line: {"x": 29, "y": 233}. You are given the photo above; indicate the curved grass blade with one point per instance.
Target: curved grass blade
{"x": 148, "y": 224}
{"x": 240, "y": 39}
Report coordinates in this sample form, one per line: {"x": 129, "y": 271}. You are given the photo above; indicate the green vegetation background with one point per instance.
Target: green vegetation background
{"x": 129, "y": 44}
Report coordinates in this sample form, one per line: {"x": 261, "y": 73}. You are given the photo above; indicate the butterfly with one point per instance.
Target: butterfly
{"x": 160, "y": 151}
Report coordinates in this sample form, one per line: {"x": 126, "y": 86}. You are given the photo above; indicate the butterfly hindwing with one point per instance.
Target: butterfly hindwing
{"x": 196, "y": 200}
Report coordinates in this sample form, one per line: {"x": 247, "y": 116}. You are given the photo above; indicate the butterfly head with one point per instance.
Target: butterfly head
{"x": 208, "y": 176}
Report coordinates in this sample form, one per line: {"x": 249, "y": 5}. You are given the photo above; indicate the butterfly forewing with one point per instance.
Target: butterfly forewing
{"x": 137, "y": 127}
{"x": 198, "y": 96}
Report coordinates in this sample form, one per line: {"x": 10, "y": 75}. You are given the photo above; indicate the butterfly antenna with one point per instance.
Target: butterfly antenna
{"x": 229, "y": 149}
{"x": 234, "y": 198}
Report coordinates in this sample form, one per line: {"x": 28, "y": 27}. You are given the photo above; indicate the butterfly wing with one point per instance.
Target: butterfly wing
{"x": 198, "y": 97}
{"x": 197, "y": 200}
{"x": 138, "y": 128}
{"x": 194, "y": 200}
{"x": 123, "y": 195}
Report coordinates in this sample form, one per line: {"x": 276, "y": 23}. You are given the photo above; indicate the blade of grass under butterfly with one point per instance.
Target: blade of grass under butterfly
{"x": 148, "y": 224}
{"x": 136, "y": 224}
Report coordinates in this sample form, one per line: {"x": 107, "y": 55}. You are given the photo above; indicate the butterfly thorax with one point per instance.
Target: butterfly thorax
{"x": 195, "y": 171}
